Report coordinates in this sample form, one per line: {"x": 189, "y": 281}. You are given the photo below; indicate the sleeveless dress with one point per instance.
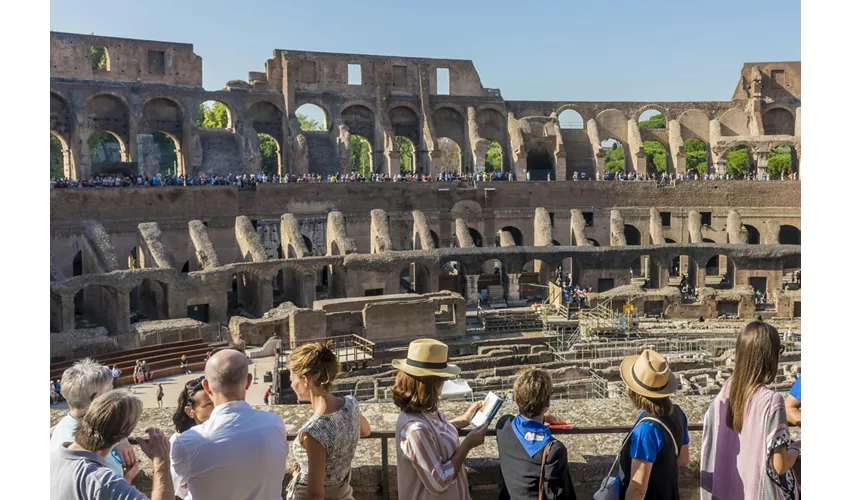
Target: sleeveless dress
{"x": 339, "y": 433}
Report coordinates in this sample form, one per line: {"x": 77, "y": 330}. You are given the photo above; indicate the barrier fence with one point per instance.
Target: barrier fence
{"x": 385, "y": 437}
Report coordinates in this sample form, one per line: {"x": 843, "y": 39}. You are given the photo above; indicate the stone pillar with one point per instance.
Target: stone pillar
{"x": 513, "y": 286}
{"x": 560, "y": 165}
{"x": 600, "y": 163}
{"x": 67, "y": 312}
{"x": 472, "y": 290}
{"x": 306, "y": 288}
{"x": 798, "y": 150}
{"x": 122, "y": 314}
{"x": 720, "y": 167}
{"x": 392, "y": 162}
{"x": 640, "y": 162}
{"x": 435, "y": 162}
{"x": 761, "y": 162}
{"x": 644, "y": 267}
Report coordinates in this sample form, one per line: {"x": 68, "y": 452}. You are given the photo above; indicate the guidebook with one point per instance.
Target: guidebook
{"x": 488, "y": 410}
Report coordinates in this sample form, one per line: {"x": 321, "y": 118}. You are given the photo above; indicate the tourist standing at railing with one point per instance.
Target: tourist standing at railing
{"x": 194, "y": 407}
{"x": 239, "y": 453}
{"x": 533, "y": 462}
{"x": 429, "y": 454}
{"x": 325, "y": 445}
{"x": 658, "y": 444}
{"x": 746, "y": 447}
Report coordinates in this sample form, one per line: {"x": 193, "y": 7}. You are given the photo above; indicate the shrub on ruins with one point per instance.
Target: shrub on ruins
{"x": 213, "y": 116}
{"x": 695, "y": 156}
{"x": 405, "y": 153}
{"x": 656, "y": 157}
{"x": 738, "y": 162}
{"x": 654, "y": 121}
{"x": 779, "y": 161}
{"x": 493, "y": 160}
{"x": 57, "y": 167}
{"x": 268, "y": 153}
{"x": 615, "y": 161}
{"x": 360, "y": 152}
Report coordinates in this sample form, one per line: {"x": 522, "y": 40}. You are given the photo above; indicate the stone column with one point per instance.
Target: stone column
{"x": 600, "y": 163}
{"x": 122, "y": 314}
{"x": 798, "y": 150}
{"x": 67, "y": 312}
{"x": 435, "y": 162}
{"x": 761, "y": 162}
{"x": 513, "y": 286}
{"x": 560, "y": 165}
{"x": 472, "y": 290}
{"x": 720, "y": 167}
{"x": 392, "y": 162}
{"x": 306, "y": 288}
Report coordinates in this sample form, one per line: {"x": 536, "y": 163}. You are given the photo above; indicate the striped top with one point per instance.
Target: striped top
{"x": 339, "y": 433}
{"x": 424, "y": 446}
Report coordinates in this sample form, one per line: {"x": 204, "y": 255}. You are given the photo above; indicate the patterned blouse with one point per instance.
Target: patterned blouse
{"x": 339, "y": 433}
{"x": 424, "y": 446}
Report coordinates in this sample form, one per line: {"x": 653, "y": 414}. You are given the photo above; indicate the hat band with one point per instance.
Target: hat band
{"x": 646, "y": 386}
{"x": 425, "y": 364}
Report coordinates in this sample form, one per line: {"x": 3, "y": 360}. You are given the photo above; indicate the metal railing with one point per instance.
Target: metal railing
{"x": 348, "y": 348}
{"x": 385, "y": 436}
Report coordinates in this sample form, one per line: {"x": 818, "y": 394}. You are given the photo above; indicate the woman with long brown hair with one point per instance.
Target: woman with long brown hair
{"x": 747, "y": 451}
{"x": 429, "y": 454}
{"x": 326, "y": 443}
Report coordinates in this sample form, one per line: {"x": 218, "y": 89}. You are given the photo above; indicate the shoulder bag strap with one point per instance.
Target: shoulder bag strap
{"x": 620, "y": 452}
{"x": 542, "y": 466}
{"x": 662, "y": 424}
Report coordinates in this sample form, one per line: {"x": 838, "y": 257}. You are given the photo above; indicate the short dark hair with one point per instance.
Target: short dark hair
{"x": 414, "y": 394}
{"x": 110, "y": 418}
{"x": 532, "y": 390}
{"x": 654, "y": 406}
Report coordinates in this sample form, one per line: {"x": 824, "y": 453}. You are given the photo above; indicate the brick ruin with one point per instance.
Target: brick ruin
{"x": 149, "y": 86}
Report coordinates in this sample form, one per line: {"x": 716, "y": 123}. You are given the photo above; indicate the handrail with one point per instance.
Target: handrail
{"x": 386, "y": 435}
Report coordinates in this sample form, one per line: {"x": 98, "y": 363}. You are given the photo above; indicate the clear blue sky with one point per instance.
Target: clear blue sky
{"x": 538, "y": 50}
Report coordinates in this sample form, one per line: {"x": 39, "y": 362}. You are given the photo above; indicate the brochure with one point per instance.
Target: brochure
{"x": 488, "y": 411}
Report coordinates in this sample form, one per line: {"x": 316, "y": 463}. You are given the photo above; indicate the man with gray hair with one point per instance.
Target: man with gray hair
{"x": 239, "y": 453}
{"x": 78, "y": 469}
{"x": 81, "y": 384}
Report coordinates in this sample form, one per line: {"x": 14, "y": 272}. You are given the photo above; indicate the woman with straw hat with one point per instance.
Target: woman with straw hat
{"x": 429, "y": 453}
{"x": 658, "y": 443}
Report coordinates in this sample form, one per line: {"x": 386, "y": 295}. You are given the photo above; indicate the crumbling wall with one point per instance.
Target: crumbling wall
{"x": 618, "y": 229}
{"x": 656, "y": 230}
{"x": 464, "y": 239}
{"x": 396, "y": 321}
{"x": 249, "y": 242}
{"x": 291, "y": 239}
{"x": 155, "y": 246}
{"x": 542, "y": 228}
{"x": 738, "y": 234}
{"x": 506, "y": 239}
{"x": 380, "y": 232}
{"x": 771, "y": 234}
{"x": 307, "y": 324}
{"x": 578, "y": 225}
{"x": 422, "y": 231}
{"x": 337, "y": 235}
{"x": 695, "y": 226}
{"x": 204, "y": 249}
{"x": 101, "y": 255}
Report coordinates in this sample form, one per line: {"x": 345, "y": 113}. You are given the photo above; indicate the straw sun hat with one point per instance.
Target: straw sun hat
{"x": 649, "y": 375}
{"x": 427, "y": 357}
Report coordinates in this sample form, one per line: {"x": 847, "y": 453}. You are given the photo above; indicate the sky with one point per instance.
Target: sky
{"x": 578, "y": 50}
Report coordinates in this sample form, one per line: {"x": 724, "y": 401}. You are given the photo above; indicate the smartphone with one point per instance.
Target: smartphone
{"x": 134, "y": 441}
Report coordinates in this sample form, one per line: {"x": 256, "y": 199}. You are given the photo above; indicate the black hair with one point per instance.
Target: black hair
{"x": 182, "y": 421}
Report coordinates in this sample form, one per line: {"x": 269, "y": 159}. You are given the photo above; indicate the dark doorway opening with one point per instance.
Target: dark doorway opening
{"x": 200, "y": 312}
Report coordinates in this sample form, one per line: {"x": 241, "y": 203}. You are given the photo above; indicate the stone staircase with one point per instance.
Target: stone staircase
{"x": 322, "y": 153}
{"x": 601, "y": 319}
{"x": 579, "y": 153}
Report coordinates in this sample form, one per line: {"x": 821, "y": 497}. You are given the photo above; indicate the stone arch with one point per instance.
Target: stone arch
{"x": 720, "y": 271}
{"x": 694, "y": 124}
{"x": 515, "y": 233}
{"x": 789, "y": 235}
{"x": 94, "y": 306}
{"x": 360, "y": 120}
{"x": 451, "y": 159}
{"x": 746, "y": 166}
{"x": 569, "y": 118}
{"x": 61, "y": 122}
{"x": 415, "y": 278}
{"x": 228, "y": 109}
{"x": 593, "y": 242}
{"x": 164, "y": 114}
{"x": 476, "y": 237}
{"x": 778, "y": 121}
{"x": 64, "y": 156}
{"x": 465, "y": 208}
{"x": 492, "y": 124}
{"x": 494, "y": 272}
{"x": 314, "y": 110}
{"x": 361, "y": 161}
{"x": 451, "y": 123}
{"x": 645, "y": 113}
{"x": 613, "y": 123}
{"x": 405, "y": 122}
{"x": 633, "y": 236}
{"x": 266, "y": 118}
{"x": 110, "y": 113}
{"x": 149, "y": 301}
{"x": 540, "y": 159}
{"x": 733, "y": 122}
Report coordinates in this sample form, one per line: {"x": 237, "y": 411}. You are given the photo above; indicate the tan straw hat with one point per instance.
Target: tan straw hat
{"x": 426, "y": 357}
{"x": 648, "y": 374}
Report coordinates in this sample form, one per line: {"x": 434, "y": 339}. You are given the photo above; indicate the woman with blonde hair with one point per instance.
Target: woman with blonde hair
{"x": 325, "y": 444}
{"x": 746, "y": 448}
{"x": 429, "y": 454}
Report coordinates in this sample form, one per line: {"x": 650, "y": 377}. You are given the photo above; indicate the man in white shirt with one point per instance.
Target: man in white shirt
{"x": 239, "y": 453}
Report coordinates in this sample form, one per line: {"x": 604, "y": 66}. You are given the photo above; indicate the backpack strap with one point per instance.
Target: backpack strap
{"x": 670, "y": 433}
{"x": 542, "y": 466}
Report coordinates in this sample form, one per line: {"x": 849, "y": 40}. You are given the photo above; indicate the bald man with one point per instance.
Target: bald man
{"x": 239, "y": 453}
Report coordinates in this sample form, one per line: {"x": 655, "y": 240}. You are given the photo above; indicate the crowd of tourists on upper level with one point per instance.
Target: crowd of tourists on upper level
{"x": 222, "y": 448}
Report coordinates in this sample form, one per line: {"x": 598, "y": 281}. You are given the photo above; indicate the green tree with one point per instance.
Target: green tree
{"x": 695, "y": 156}
{"x": 98, "y": 58}
{"x": 405, "y": 151}
{"x": 268, "y": 153}
{"x": 213, "y": 116}
{"x": 57, "y": 160}
{"x": 656, "y": 157}
{"x": 615, "y": 160}
{"x": 95, "y": 141}
{"x": 654, "y": 121}
{"x": 779, "y": 161}
{"x": 738, "y": 162}
{"x": 308, "y": 124}
{"x": 493, "y": 160}
{"x": 361, "y": 161}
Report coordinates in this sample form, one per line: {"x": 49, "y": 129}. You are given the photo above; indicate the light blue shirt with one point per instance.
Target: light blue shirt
{"x": 64, "y": 433}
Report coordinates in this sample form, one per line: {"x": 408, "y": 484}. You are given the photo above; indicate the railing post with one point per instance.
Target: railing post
{"x": 385, "y": 470}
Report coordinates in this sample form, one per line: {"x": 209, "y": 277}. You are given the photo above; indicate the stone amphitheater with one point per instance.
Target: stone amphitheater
{"x": 153, "y": 272}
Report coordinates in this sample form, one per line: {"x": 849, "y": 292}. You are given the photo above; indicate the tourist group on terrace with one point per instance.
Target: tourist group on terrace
{"x": 222, "y": 448}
